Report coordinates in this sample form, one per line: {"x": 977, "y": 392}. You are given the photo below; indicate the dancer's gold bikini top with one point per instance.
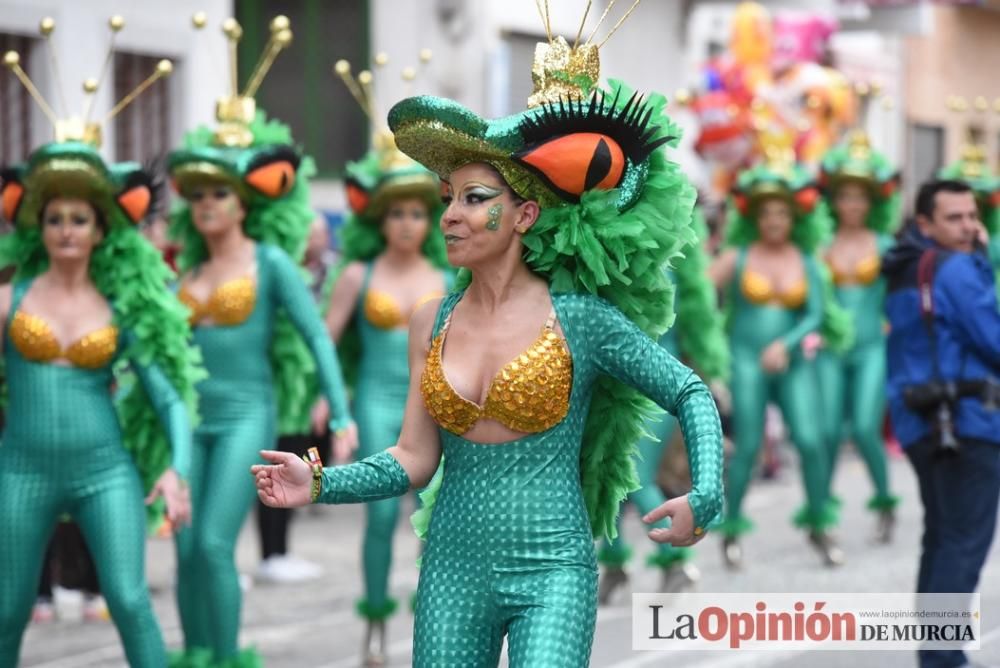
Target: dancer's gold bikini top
{"x": 230, "y": 304}
{"x": 383, "y": 312}
{"x": 758, "y": 290}
{"x": 34, "y": 339}
{"x": 865, "y": 272}
{"x": 528, "y": 395}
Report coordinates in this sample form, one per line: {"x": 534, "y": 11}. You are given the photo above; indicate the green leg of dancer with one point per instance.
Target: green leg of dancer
{"x": 238, "y": 421}
{"x": 379, "y": 412}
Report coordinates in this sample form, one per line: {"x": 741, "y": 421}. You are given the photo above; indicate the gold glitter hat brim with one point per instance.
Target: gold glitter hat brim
{"x": 422, "y": 184}
{"x": 65, "y": 170}
{"x": 444, "y": 136}
{"x": 190, "y": 175}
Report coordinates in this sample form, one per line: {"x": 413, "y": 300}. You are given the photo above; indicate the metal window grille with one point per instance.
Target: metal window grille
{"x": 15, "y": 108}
{"x": 142, "y": 130}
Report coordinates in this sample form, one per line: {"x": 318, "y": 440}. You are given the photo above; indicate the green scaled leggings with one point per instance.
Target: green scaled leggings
{"x": 616, "y": 553}
{"x": 62, "y": 453}
{"x": 853, "y": 386}
{"x": 379, "y": 403}
{"x": 509, "y": 548}
{"x": 238, "y": 420}
{"x": 752, "y": 328}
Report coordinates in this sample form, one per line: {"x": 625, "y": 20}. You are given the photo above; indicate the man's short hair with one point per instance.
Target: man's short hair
{"x": 928, "y": 193}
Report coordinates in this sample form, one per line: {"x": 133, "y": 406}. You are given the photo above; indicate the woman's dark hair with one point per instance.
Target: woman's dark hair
{"x": 927, "y": 197}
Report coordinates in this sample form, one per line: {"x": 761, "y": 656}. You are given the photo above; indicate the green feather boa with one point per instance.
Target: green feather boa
{"x": 700, "y": 331}
{"x": 283, "y": 222}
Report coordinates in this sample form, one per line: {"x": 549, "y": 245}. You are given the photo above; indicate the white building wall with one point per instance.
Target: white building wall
{"x": 155, "y": 27}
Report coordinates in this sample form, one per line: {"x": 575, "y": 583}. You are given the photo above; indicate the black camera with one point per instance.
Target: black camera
{"x": 936, "y": 400}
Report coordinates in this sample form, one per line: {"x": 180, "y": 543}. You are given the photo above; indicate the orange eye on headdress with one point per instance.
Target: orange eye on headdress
{"x": 272, "y": 174}
{"x": 577, "y": 145}
{"x": 11, "y": 193}
{"x": 357, "y": 197}
{"x": 807, "y": 198}
{"x": 573, "y": 164}
{"x": 140, "y": 194}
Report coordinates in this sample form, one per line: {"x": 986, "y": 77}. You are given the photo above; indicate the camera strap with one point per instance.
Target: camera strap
{"x": 925, "y": 288}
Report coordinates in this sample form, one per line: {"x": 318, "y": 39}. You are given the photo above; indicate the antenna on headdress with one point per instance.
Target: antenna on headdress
{"x": 281, "y": 38}
{"x": 617, "y": 25}
{"x": 80, "y": 128}
{"x": 90, "y": 87}
{"x": 973, "y": 154}
{"x": 12, "y": 60}
{"x": 546, "y": 17}
{"x": 236, "y": 111}
{"x": 45, "y": 28}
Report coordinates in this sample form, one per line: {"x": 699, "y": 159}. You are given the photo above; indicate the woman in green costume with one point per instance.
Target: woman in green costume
{"x": 535, "y": 400}
{"x": 244, "y": 217}
{"x": 393, "y": 262}
{"x": 697, "y": 336}
{"x": 89, "y": 299}
{"x": 860, "y": 190}
{"x": 775, "y": 292}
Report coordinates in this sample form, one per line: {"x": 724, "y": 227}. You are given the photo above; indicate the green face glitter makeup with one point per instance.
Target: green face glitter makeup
{"x": 493, "y": 223}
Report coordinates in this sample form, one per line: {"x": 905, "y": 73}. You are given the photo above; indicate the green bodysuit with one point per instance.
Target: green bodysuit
{"x": 379, "y": 403}
{"x": 752, "y": 327}
{"x": 853, "y": 383}
{"x": 62, "y": 453}
{"x": 509, "y": 548}
{"x": 238, "y": 420}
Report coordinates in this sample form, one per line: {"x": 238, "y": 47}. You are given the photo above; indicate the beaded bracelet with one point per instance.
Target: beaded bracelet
{"x": 314, "y": 461}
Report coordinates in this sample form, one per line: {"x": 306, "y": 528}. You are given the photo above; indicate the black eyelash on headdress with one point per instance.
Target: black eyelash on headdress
{"x": 629, "y": 125}
{"x": 152, "y": 175}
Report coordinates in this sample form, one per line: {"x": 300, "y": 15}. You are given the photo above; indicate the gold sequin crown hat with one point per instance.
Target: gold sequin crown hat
{"x": 854, "y": 160}
{"x": 778, "y": 174}
{"x": 71, "y": 166}
{"x": 972, "y": 166}
{"x": 244, "y": 151}
{"x": 385, "y": 173}
{"x": 572, "y": 138}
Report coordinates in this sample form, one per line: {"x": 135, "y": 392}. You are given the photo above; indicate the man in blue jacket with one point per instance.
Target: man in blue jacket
{"x": 943, "y": 356}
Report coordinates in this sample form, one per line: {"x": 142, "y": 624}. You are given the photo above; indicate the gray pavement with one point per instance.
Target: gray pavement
{"x": 313, "y": 625}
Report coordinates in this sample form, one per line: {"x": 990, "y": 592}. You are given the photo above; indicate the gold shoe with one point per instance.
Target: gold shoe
{"x": 612, "y": 579}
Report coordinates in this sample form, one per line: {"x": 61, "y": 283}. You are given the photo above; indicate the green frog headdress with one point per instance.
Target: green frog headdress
{"x": 779, "y": 176}
{"x": 384, "y": 174}
{"x": 614, "y": 211}
{"x": 125, "y": 268}
{"x": 258, "y": 159}
{"x": 71, "y": 166}
{"x": 854, "y": 160}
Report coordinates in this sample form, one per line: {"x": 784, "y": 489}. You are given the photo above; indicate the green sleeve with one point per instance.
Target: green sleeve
{"x": 621, "y": 350}
{"x": 172, "y": 413}
{"x": 812, "y": 311}
{"x": 291, "y": 293}
{"x": 372, "y": 479}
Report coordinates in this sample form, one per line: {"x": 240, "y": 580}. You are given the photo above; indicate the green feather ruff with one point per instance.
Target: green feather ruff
{"x": 700, "y": 331}
{"x": 131, "y": 275}
{"x": 282, "y": 222}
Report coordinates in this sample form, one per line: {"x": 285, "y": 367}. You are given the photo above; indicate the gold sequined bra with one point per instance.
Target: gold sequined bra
{"x": 34, "y": 339}
{"x": 529, "y": 395}
{"x": 382, "y": 311}
{"x": 230, "y": 304}
{"x": 866, "y": 272}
